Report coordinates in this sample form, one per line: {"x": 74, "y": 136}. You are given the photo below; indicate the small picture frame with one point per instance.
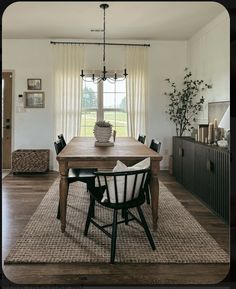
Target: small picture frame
{"x": 34, "y": 99}
{"x": 34, "y": 84}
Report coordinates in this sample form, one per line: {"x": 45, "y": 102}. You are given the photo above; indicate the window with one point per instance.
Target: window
{"x": 89, "y": 106}
{"x": 104, "y": 101}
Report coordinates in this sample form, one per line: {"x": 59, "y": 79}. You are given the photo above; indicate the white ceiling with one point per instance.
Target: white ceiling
{"x": 124, "y": 20}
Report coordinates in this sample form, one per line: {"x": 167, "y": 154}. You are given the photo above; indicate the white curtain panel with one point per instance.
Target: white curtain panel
{"x": 68, "y": 62}
{"x": 137, "y": 92}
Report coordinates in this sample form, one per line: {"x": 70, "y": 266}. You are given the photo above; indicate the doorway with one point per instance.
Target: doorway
{"x": 6, "y": 119}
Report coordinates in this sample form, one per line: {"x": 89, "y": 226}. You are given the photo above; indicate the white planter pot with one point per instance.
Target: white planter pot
{"x": 102, "y": 134}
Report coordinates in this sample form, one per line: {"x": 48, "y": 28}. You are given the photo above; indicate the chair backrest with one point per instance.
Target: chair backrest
{"x": 61, "y": 137}
{"x": 155, "y": 145}
{"x": 141, "y": 138}
{"x": 58, "y": 146}
{"x": 121, "y": 187}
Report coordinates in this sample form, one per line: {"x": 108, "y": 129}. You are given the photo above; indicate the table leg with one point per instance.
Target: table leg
{"x": 154, "y": 190}
{"x": 63, "y": 188}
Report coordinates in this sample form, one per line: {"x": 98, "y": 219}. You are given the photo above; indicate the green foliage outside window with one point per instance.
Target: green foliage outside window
{"x": 89, "y": 99}
{"x": 111, "y": 113}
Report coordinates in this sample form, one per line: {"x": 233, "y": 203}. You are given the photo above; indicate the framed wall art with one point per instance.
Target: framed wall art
{"x": 34, "y": 100}
{"x": 34, "y": 84}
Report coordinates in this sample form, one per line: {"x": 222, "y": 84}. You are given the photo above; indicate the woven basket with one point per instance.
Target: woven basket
{"x": 102, "y": 134}
{"x": 30, "y": 161}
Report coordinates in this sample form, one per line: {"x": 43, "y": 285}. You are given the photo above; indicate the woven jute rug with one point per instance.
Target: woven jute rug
{"x": 179, "y": 238}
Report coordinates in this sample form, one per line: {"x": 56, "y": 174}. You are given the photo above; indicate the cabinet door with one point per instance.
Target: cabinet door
{"x": 188, "y": 165}
{"x": 219, "y": 183}
{"x": 177, "y": 158}
{"x": 201, "y": 173}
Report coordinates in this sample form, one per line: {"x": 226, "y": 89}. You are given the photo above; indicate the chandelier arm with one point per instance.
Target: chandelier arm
{"x": 86, "y": 79}
{"x": 99, "y": 80}
{"x": 111, "y": 80}
{"x": 115, "y": 79}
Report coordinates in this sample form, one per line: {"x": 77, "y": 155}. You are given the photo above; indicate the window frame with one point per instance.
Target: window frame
{"x": 100, "y": 96}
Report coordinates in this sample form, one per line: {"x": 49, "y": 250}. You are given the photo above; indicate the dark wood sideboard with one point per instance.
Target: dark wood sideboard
{"x": 204, "y": 170}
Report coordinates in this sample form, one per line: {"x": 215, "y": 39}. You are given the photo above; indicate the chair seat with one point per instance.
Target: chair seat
{"x": 81, "y": 173}
{"x": 98, "y": 195}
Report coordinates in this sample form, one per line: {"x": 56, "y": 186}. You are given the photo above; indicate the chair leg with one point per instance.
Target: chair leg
{"x": 113, "y": 238}
{"x": 126, "y": 217}
{"x": 145, "y": 226}
{"x": 92, "y": 204}
{"x": 90, "y": 187}
{"x": 123, "y": 213}
{"x": 147, "y": 195}
{"x": 147, "y": 189}
{"x": 58, "y": 212}
{"x": 88, "y": 220}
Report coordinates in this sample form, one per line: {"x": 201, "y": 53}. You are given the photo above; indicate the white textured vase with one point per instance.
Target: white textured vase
{"x": 102, "y": 134}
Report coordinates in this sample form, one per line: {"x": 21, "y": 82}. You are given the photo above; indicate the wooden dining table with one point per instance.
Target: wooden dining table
{"x": 81, "y": 152}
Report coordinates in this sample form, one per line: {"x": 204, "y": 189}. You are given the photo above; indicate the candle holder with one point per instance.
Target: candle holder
{"x": 217, "y": 135}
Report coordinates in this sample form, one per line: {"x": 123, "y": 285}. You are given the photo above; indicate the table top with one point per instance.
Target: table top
{"x": 124, "y": 147}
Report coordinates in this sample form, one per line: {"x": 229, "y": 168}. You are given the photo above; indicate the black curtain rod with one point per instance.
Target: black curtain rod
{"x": 98, "y": 43}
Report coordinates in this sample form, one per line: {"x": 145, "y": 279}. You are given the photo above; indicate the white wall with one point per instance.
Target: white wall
{"x": 167, "y": 59}
{"x": 208, "y": 57}
{"x": 32, "y": 128}
{"x": 206, "y": 54}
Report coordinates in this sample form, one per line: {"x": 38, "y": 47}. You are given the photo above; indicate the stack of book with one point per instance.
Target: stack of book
{"x": 203, "y": 133}
{"x": 211, "y": 134}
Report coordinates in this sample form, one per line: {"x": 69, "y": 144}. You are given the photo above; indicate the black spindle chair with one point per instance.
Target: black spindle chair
{"x": 123, "y": 190}
{"x": 156, "y": 146}
{"x": 77, "y": 175}
{"x": 61, "y": 137}
{"x": 142, "y": 138}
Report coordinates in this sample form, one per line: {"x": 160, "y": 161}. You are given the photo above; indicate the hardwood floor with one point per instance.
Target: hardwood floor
{"x": 5, "y": 172}
{"x": 22, "y": 194}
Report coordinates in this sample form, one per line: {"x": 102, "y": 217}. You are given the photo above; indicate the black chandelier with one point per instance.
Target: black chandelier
{"x": 103, "y": 75}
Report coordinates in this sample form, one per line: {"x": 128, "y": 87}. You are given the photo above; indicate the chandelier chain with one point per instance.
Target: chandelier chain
{"x": 103, "y": 76}
{"x": 104, "y": 36}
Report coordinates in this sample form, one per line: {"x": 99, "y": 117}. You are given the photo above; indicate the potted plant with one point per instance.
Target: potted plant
{"x": 102, "y": 131}
{"x": 185, "y": 103}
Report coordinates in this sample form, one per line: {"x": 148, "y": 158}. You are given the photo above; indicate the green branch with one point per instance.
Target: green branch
{"x": 185, "y": 103}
